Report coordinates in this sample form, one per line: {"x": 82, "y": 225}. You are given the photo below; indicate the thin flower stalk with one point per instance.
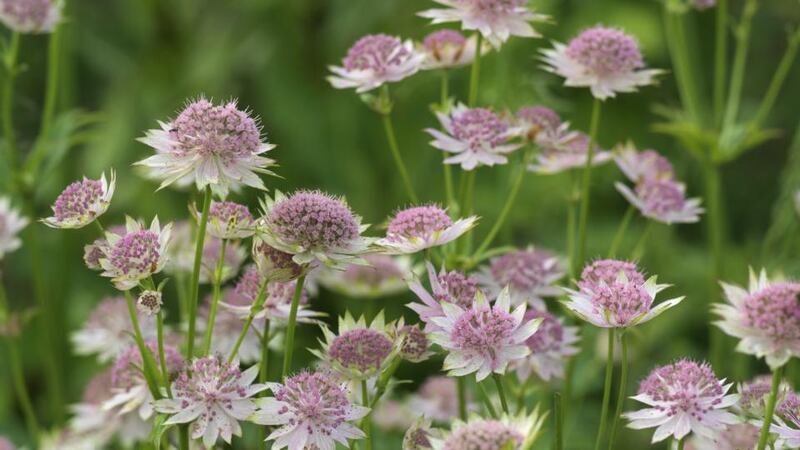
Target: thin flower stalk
{"x": 290, "y": 328}
{"x": 195, "y": 281}
{"x": 621, "y": 230}
{"x": 501, "y": 392}
{"x": 391, "y": 137}
{"x": 366, "y": 422}
{"x": 161, "y": 355}
{"x": 586, "y": 182}
{"x": 623, "y": 380}
{"x": 51, "y": 88}
{"x": 448, "y": 172}
{"x": 720, "y": 58}
{"x": 742, "y": 33}
{"x": 510, "y": 198}
{"x": 10, "y": 63}
{"x": 475, "y": 73}
{"x": 775, "y": 84}
{"x": 150, "y": 374}
{"x": 771, "y": 402}
{"x": 606, "y": 390}
{"x": 212, "y": 314}
{"x": 259, "y": 301}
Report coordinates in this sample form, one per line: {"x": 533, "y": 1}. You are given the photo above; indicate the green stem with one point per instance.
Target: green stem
{"x": 739, "y": 62}
{"x": 720, "y": 59}
{"x": 183, "y": 437}
{"x": 8, "y": 99}
{"x": 287, "y": 356}
{"x": 263, "y": 374}
{"x": 461, "y": 384}
{"x": 487, "y": 401}
{"x": 558, "y": 419}
{"x": 198, "y": 260}
{"x": 773, "y": 398}
{"x": 638, "y": 249}
{"x": 523, "y": 390}
{"x": 212, "y": 313}
{"x": 51, "y": 89}
{"x": 623, "y": 227}
{"x": 448, "y": 171}
{"x": 503, "y": 212}
{"x": 162, "y": 359}
{"x": 180, "y": 286}
{"x": 606, "y": 390}
{"x": 21, "y": 389}
{"x": 366, "y": 423}
{"x": 150, "y": 374}
{"x": 388, "y": 127}
{"x": 587, "y": 182}
{"x": 623, "y": 380}
{"x": 572, "y": 203}
{"x": 262, "y": 295}
{"x": 777, "y": 80}
{"x": 475, "y": 72}
{"x": 681, "y": 443}
{"x": 501, "y": 392}
{"x": 715, "y": 238}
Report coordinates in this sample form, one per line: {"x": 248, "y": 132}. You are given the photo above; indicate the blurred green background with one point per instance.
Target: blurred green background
{"x": 135, "y": 62}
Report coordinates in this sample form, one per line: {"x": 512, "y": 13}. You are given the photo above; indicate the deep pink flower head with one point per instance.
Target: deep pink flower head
{"x": 223, "y": 131}
{"x": 313, "y": 220}
{"x": 93, "y": 252}
{"x": 126, "y": 371}
{"x": 457, "y": 288}
{"x": 418, "y": 222}
{"x": 478, "y": 127}
{"x": 775, "y": 311}
{"x": 538, "y": 118}
{"x": 483, "y": 435}
{"x": 364, "y": 349}
{"x": 30, "y": 16}
{"x": 607, "y": 51}
{"x": 135, "y": 255}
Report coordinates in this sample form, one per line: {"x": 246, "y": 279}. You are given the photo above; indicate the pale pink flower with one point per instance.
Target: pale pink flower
{"x": 384, "y": 276}
{"x": 209, "y": 145}
{"x": 786, "y": 423}
{"x": 563, "y": 149}
{"x": 274, "y": 264}
{"x": 374, "y": 60}
{"x": 507, "y": 432}
{"x": 765, "y": 318}
{"x": 107, "y": 331}
{"x": 702, "y": 5}
{"x": 389, "y": 414}
{"x": 483, "y": 339}
{"x": 663, "y": 201}
{"x": 529, "y": 275}
{"x": 415, "y": 344}
{"x": 11, "y": 223}
{"x": 437, "y": 398}
{"x": 536, "y": 119}
{"x": 640, "y": 166}
{"x": 213, "y": 396}
{"x": 5, "y": 444}
{"x": 444, "y": 49}
{"x": 311, "y": 410}
{"x": 606, "y": 60}
{"x": 418, "y": 435}
{"x": 740, "y": 436}
{"x": 235, "y": 255}
{"x": 135, "y": 255}
{"x": 496, "y": 20}
{"x": 683, "y": 397}
{"x": 31, "y": 16}
{"x": 80, "y": 203}
{"x": 476, "y": 137}
{"x": 93, "y": 252}
{"x": 615, "y": 294}
{"x": 446, "y": 287}
{"x": 421, "y": 227}
{"x": 228, "y": 220}
{"x": 550, "y": 347}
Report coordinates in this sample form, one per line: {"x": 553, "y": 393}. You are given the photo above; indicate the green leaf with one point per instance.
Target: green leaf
{"x": 739, "y": 138}
{"x": 159, "y": 428}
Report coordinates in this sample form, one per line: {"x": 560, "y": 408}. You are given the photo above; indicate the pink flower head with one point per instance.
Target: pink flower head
{"x": 529, "y": 274}
{"x": 314, "y": 227}
{"x": 421, "y": 227}
{"x": 753, "y": 396}
{"x": 507, "y": 432}
{"x": 563, "y": 149}
{"x": 766, "y": 318}
{"x": 534, "y": 119}
{"x": 606, "y": 60}
{"x": 415, "y": 344}
{"x": 739, "y": 436}
{"x": 229, "y": 220}
{"x": 273, "y": 263}
{"x": 476, "y": 137}
{"x": 93, "y": 252}
{"x": 683, "y": 397}
{"x": 436, "y": 398}
{"x": 448, "y": 48}
{"x": 702, "y": 5}
{"x": 5, "y": 444}
{"x": 550, "y": 347}
{"x": 107, "y": 331}
{"x": 209, "y": 145}
{"x": 82, "y": 202}
{"x": 642, "y": 166}
{"x": 663, "y": 201}
{"x": 614, "y": 294}
{"x": 135, "y": 255}
{"x": 786, "y": 422}
{"x": 376, "y": 59}
{"x": 213, "y": 396}
{"x": 446, "y": 287}
{"x": 30, "y": 16}
{"x": 385, "y": 275}
{"x": 485, "y": 338}
{"x": 311, "y": 410}
{"x": 11, "y": 223}
{"x": 496, "y": 20}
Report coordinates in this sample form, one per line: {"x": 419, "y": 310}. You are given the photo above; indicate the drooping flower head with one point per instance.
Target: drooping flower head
{"x": 663, "y": 201}
{"x": 529, "y": 274}
{"x": 376, "y": 59}
{"x": 535, "y": 119}
{"x": 314, "y": 227}
{"x": 209, "y": 145}
{"x": 31, "y": 16}
{"x": 229, "y": 220}
{"x": 107, "y": 331}
{"x": 446, "y": 287}
{"x": 421, "y": 227}
{"x": 446, "y": 48}
{"x": 550, "y": 348}
{"x": 80, "y": 203}
{"x": 563, "y": 149}
{"x": 213, "y": 395}
{"x": 475, "y": 136}
{"x": 496, "y": 20}
{"x": 274, "y": 264}
{"x": 437, "y": 398}
{"x": 615, "y": 294}
{"x": 507, "y": 432}
{"x": 311, "y": 410}
{"x": 642, "y": 166}
{"x": 11, "y": 223}
{"x": 418, "y": 436}
{"x": 385, "y": 275}
{"x": 681, "y": 398}
{"x": 360, "y": 350}
{"x": 485, "y": 338}
{"x": 606, "y": 60}
{"x": 135, "y": 255}
{"x": 766, "y": 318}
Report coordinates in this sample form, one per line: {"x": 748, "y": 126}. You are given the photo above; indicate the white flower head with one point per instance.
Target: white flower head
{"x": 421, "y": 227}
{"x": 374, "y": 60}
{"x": 11, "y": 223}
{"x": 135, "y": 255}
{"x": 80, "y": 203}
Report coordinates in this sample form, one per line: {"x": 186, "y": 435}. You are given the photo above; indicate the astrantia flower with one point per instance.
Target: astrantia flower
{"x": 606, "y": 60}
{"x": 149, "y": 302}
{"x": 229, "y": 220}
{"x": 496, "y": 20}
{"x": 563, "y": 149}
{"x": 360, "y": 350}
{"x": 213, "y": 396}
{"x": 385, "y": 275}
{"x": 135, "y": 255}
{"x": 418, "y": 436}
{"x": 107, "y": 331}
{"x": 415, "y": 344}
{"x": 550, "y": 347}
{"x": 754, "y": 395}
{"x": 421, "y": 227}
{"x": 11, "y": 223}
{"x": 529, "y": 275}
{"x": 787, "y": 423}
{"x": 641, "y": 166}
{"x": 535, "y": 119}
{"x": 437, "y": 398}
{"x": 740, "y": 436}
{"x": 311, "y": 409}
{"x": 314, "y": 227}
{"x": 93, "y": 252}
{"x": 445, "y": 49}
{"x": 683, "y": 397}
{"x": 485, "y": 338}
{"x": 30, "y": 16}
{"x": 209, "y": 145}
{"x": 376, "y": 59}
{"x": 80, "y": 203}
{"x": 5, "y": 444}
{"x": 273, "y": 263}
{"x": 476, "y": 136}
{"x": 766, "y": 318}
{"x": 663, "y": 201}
{"x": 614, "y": 294}
{"x": 507, "y": 432}
{"x": 446, "y": 287}
{"x": 702, "y": 5}
{"x": 90, "y": 418}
